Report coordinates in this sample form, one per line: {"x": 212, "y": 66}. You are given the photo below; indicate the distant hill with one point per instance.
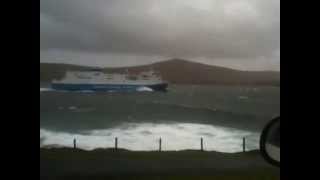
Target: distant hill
{"x": 178, "y": 71}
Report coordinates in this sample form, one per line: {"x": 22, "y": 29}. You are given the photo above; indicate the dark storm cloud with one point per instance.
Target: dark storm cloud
{"x": 170, "y": 28}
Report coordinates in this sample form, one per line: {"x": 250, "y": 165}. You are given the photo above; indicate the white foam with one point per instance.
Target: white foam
{"x": 72, "y": 108}
{"x": 243, "y": 97}
{"x": 86, "y": 91}
{"x": 145, "y": 136}
{"x": 45, "y": 89}
{"x": 146, "y": 89}
{"x": 77, "y": 109}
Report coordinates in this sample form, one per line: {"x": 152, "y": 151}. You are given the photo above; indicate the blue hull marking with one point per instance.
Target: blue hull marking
{"x": 106, "y": 87}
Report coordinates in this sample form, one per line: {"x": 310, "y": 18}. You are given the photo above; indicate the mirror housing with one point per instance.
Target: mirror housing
{"x": 270, "y": 142}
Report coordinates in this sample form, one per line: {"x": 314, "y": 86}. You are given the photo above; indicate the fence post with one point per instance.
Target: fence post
{"x": 160, "y": 143}
{"x": 201, "y": 143}
{"x": 74, "y": 143}
{"x": 116, "y": 143}
{"x": 244, "y": 144}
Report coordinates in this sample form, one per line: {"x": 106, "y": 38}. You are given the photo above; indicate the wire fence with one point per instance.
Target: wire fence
{"x": 160, "y": 141}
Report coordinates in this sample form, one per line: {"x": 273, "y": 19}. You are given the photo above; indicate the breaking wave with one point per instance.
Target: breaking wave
{"x": 145, "y": 136}
{"x": 144, "y": 89}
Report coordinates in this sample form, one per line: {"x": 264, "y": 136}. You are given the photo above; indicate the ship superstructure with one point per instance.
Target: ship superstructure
{"x": 97, "y": 80}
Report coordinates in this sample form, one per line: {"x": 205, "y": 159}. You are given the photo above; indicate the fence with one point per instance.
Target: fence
{"x": 160, "y": 144}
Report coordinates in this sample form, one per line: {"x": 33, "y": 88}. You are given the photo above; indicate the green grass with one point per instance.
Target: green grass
{"x": 66, "y": 163}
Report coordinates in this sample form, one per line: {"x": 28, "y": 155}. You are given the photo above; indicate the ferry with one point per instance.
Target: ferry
{"x": 98, "y": 80}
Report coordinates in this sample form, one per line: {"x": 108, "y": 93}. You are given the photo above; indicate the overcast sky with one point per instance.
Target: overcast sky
{"x": 242, "y": 34}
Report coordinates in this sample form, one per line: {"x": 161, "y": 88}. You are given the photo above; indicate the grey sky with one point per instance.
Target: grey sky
{"x": 243, "y": 34}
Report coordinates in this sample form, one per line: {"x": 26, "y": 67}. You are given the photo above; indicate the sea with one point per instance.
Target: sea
{"x": 221, "y": 115}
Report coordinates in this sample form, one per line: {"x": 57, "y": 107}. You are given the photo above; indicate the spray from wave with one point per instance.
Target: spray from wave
{"x": 144, "y": 89}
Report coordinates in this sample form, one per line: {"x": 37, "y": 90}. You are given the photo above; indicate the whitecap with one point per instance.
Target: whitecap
{"x": 45, "y": 89}
{"x": 243, "y": 97}
{"x": 73, "y": 108}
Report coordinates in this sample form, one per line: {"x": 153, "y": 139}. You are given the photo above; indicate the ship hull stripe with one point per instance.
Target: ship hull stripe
{"x": 106, "y": 87}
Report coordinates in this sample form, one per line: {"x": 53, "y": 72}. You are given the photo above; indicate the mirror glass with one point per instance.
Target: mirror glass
{"x": 270, "y": 142}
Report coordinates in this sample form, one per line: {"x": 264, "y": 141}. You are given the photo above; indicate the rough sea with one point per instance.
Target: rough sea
{"x": 221, "y": 115}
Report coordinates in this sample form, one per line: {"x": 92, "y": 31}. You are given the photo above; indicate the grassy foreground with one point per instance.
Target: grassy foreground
{"x": 67, "y": 163}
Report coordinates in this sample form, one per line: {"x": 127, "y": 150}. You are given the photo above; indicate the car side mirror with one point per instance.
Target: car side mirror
{"x": 270, "y": 142}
